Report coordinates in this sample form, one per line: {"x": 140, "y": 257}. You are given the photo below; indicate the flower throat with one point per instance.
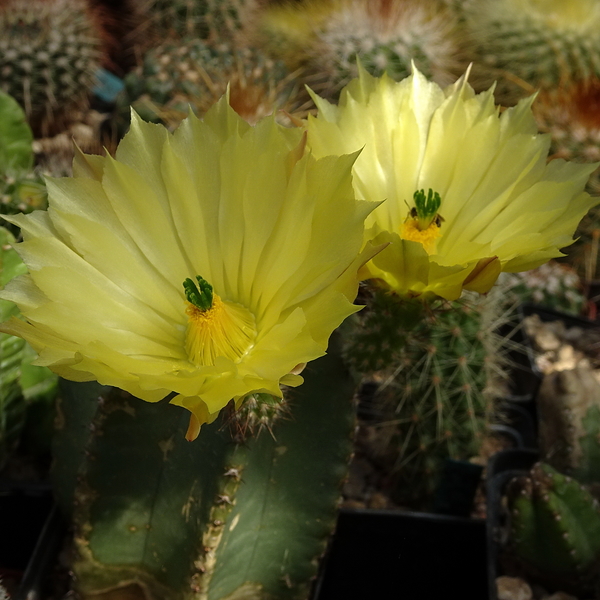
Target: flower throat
{"x": 215, "y": 327}
{"x": 423, "y": 221}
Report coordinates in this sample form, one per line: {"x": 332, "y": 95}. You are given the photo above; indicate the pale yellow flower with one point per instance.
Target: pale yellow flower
{"x": 269, "y": 235}
{"x": 502, "y": 207}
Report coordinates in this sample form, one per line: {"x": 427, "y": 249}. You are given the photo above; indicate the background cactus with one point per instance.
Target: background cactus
{"x": 555, "y": 528}
{"x": 50, "y": 51}
{"x": 530, "y": 44}
{"x": 386, "y": 35}
{"x": 206, "y": 519}
{"x": 213, "y": 20}
{"x": 437, "y": 376}
{"x": 177, "y": 76}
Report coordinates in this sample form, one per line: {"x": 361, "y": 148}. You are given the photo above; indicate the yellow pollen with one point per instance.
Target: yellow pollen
{"x": 225, "y": 329}
{"x": 427, "y": 237}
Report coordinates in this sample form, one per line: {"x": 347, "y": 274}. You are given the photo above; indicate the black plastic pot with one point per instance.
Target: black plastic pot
{"x": 412, "y": 556}
{"x": 31, "y": 532}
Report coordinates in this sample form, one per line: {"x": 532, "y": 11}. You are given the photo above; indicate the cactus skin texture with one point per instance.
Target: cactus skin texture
{"x": 208, "y": 519}
{"x": 50, "y": 51}
{"x": 555, "y": 528}
{"x": 437, "y": 371}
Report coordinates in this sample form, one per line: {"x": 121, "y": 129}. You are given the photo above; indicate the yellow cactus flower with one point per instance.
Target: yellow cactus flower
{"x": 213, "y": 262}
{"x": 468, "y": 191}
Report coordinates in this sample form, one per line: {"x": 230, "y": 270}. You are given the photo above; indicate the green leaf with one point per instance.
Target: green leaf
{"x": 16, "y": 138}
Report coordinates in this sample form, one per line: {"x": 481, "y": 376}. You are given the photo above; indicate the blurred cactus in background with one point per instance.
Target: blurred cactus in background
{"x": 328, "y": 38}
{"x": 50, "y": 51}
{"x": 531, "y": 44}
{"x": 212, "y": 20}
{"x": 554, "y": 285}
{"x": 178, "y": 75}
{"x": 386, "y": 36}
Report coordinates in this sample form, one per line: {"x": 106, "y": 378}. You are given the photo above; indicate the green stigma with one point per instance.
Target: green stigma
{"x": 426, "y": 207}
{"x": 202, "y": 296}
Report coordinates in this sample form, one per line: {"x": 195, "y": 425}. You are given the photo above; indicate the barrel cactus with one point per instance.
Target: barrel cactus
{"x": 50, "y": 51}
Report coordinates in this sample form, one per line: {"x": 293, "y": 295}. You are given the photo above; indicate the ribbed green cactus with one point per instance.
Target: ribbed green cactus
{"x": 50, "y": 51}
{"x": 177, "y": 76}
{"x": 555, "y": 527}
{"x": 437, "y": 372}
{"x": 386, "y": 37}
{"x": 542, "y": 43}
{"x": 205, "y": 19}
{"x": 208, "y": 519}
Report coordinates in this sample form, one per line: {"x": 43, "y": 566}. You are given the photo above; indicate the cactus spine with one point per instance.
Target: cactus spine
{"x": 50, "y": 51}
{"x": 437, "y": 374}
{"x": 208, "y": 519}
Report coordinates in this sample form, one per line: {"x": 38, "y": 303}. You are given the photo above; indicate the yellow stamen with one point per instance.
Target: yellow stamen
{"x": 427, "y": 237}
{"x": 225, "y": 329}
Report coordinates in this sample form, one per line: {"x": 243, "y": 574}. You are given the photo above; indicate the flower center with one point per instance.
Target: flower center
{"x": 215, "y": 327}
{"x": 423, "y": 222}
